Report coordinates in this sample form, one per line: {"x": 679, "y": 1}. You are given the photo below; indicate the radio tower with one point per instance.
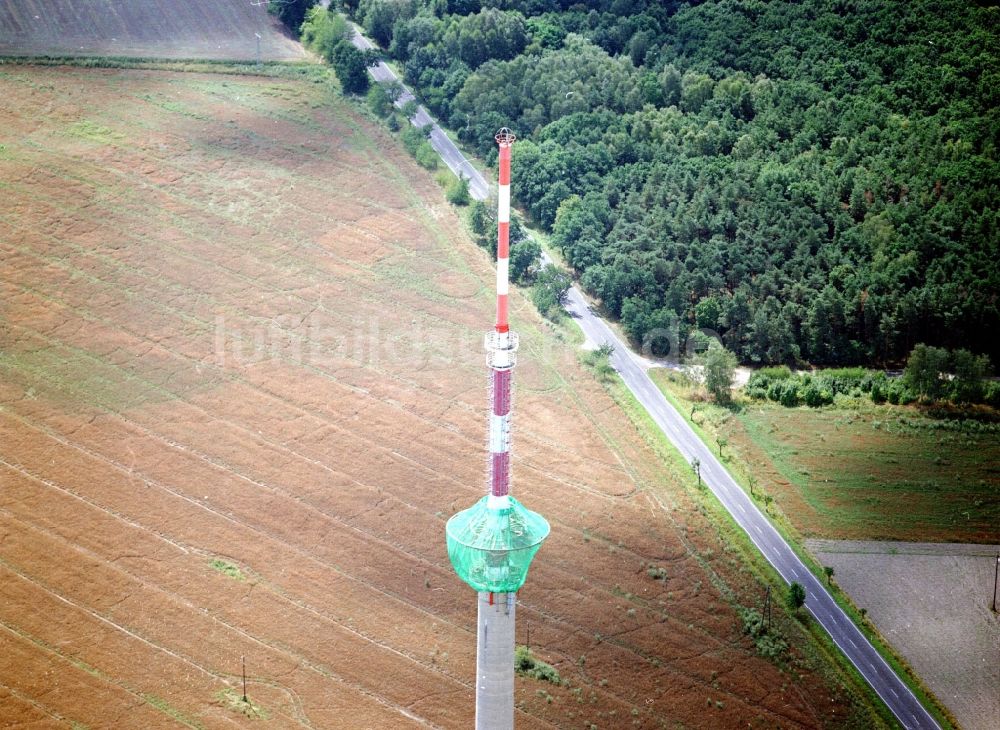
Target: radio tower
{"x": 492, "y": 543}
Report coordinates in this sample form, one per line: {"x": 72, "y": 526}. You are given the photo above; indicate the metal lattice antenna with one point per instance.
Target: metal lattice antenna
{"x": 505, "y": 136}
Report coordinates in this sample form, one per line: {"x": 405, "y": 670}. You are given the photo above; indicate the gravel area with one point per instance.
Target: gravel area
{"x": 932, "y": 601}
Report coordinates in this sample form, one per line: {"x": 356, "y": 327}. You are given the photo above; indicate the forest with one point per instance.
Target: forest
{"x": 815, "y": 181}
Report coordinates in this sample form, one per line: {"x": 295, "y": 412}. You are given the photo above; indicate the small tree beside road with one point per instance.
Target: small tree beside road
{"x": 720, "y": 368}
{"x": 796, "y": 596}
{"x": 351, "y": 67}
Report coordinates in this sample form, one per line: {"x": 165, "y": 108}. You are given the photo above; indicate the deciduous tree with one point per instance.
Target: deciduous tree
{"x": 796, "y": 596}
{"x": 720, "y": 368}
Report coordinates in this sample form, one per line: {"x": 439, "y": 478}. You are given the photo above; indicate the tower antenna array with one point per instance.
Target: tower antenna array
{"x": 491, "y": 544}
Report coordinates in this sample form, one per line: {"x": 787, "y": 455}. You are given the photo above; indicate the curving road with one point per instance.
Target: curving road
{"x": 886, "y": 683}
{"x": 450, "y": 154}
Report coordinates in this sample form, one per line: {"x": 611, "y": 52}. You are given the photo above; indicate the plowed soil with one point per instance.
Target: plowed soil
{"x": 241, "y": 390}
{"x": 220, "y": 29}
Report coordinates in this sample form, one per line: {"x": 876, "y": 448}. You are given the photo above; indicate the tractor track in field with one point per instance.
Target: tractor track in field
{"x": 231, "y": 469}
{"x": 574, "y": 628}
{"x": 205, "y": 325}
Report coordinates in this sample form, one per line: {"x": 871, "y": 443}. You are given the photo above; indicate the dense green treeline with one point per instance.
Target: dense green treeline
{"x": 816, "y": 181}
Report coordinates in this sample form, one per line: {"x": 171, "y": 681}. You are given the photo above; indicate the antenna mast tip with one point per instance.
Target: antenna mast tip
{"x": 505, "y": 136}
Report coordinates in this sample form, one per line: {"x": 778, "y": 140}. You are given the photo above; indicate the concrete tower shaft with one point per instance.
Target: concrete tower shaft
{"x": 495, "y": 661}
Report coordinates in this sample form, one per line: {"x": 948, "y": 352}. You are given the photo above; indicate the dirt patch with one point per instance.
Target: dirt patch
{"x": 932, "y": 601}
{"x": 195, "y": 372}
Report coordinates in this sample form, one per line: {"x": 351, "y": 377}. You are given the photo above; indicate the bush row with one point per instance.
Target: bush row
{"x": 790, "y": 389}
{"x": 781, "y": 385}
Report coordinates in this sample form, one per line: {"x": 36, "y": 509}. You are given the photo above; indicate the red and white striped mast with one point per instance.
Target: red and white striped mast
{"x": 502, "y": 345}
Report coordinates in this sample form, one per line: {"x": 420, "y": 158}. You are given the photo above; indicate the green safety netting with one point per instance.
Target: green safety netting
{"x": 492, "y": 547}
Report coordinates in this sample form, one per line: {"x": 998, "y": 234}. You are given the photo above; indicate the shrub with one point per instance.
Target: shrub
{"x": 657, "y": 572}
{"x": 528, "y": 665}
{"x": 291, "y": 12}
{"x": 378, "y": 101}
{"x": 599, "y": 361}
{"x": 771, "y": 646}
{"x": 789, "y": 393}
{"x": 351, "y": 67}
{"x": 970, "y": 371}
{"x": 719, "y": 366}
{"x": 427, "y": 157}
{"x": 992, "y": 395}
{"x": 782, "y": 372}
{"x": 796, "y": 596}
{"x": 768, "y": 644}
{"x": 524, "y": 257}
{"x": 873, "y": 379}
{"x": 762, "y": 381}
{"x": 458, "y": 191}
{"x": 322, "y": 31}
{"x": 815, "y": 397}
{"x": 844, "y": 380}
{"x": 549, "y": 291}
{"x": 415, "y": 142}
{"x": 899, "y": 393}
{"x": 227, "y": 568}
{"x": 410, "y": 108}
{"x": 412, "y": 138}
{"x": 923, "y": 370}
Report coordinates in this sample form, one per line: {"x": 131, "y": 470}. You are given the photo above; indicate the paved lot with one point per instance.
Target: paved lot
{"x": 932, "y": 601}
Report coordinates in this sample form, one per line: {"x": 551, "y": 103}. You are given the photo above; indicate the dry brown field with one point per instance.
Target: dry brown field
{"x": 216, "y": 29}
{"x": 241, "y": 390}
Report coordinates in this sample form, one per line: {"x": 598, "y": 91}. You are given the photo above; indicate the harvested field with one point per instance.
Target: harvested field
{"x": 220, "y": 29}
{"x": 932, "y": 601}
{"x": 242, "y": 388}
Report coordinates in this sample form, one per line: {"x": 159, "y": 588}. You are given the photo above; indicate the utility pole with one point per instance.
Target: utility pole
{"x": 996, "y": 569}
{"x": 258, "y": 49}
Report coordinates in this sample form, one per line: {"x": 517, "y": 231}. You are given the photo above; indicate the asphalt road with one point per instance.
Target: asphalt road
{"x": 886, "y": 683}
{"x": 450, "y": 154}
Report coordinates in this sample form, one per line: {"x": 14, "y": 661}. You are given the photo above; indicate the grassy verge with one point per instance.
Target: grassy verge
{"x": 742, "y": 474}
{"x": 280, "y": 69}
